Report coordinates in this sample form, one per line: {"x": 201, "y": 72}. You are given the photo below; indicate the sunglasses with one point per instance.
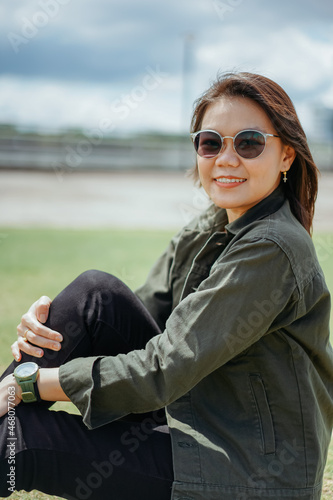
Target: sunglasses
{"x": 247, "y": 143}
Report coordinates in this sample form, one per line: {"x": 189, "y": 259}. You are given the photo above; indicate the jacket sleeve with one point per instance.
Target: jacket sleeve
{"x": 250, "y": 292}
{"x": 156, "y": 292}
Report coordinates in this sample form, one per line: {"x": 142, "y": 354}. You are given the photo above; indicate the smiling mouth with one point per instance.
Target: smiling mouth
{"x": 228, "y": 180}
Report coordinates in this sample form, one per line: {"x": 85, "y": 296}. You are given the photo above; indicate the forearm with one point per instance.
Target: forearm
{"x": 49, "y": 386}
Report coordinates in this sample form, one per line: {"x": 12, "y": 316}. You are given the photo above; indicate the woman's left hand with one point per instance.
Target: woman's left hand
{"x": 10, "y": 394}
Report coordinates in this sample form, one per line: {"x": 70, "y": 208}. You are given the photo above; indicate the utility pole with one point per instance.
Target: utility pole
{"x": 186, "y": 80}
{"x": 186, "y": 103}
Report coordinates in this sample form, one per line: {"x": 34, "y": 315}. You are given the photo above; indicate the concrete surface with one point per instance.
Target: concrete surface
{"x": 114, "y": 199}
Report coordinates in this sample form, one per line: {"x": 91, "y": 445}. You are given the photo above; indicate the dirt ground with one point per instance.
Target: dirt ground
{"x": 115, "y": 199}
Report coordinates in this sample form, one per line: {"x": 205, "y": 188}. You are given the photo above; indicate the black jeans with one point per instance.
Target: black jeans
{"x": 53, "y": 451}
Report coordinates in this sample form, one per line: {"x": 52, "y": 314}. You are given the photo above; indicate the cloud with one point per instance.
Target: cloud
{"x": 76, "y": 59}
{"x": 99, "y": 42}
{"x": 109, "y": 40}
{"x": 290, "y": 55}
{"x": 150, "y": 104}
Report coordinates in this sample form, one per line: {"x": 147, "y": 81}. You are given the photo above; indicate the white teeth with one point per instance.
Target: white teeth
{"x": 225, "y": 180}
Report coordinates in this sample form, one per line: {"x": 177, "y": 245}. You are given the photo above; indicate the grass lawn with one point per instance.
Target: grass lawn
{"x": 42, "y": 262}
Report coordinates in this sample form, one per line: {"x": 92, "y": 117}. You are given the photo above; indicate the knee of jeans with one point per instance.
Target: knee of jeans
{"x": 94, "y": 278}
{"x": 98, "y": 281}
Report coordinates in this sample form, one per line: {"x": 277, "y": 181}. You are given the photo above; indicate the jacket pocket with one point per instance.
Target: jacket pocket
{"x": 264, "y": 413}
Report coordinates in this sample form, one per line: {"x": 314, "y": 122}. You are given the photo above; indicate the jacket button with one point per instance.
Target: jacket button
{"x": 184, "y": 444}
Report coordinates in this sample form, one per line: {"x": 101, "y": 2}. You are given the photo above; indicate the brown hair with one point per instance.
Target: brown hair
{"x": 302, "y": 185}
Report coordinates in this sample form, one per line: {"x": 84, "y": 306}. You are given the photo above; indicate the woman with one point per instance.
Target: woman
{"x": 230, "y": 334}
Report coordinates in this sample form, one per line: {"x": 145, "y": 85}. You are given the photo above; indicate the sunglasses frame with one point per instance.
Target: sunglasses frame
{"x": 194, "y": 135}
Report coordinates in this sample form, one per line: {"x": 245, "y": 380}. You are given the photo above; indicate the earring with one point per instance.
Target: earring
{"x": 285, "y": 176}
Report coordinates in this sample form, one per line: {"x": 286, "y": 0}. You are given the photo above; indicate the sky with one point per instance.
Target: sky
{"x": 138, "y": 65}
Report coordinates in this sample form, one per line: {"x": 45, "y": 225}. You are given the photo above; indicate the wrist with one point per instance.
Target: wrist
{"x": 26, "y": 375}
{"x": 14, "y": 389}
{"x": 18, "y": 389}
{"x": 49, "y": 386}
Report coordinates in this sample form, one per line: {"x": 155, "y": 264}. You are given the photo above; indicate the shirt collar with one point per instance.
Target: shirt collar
{"x": 266, "y": 207}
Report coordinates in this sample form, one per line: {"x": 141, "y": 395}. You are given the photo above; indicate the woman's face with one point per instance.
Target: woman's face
{"x": 249, "y": 180}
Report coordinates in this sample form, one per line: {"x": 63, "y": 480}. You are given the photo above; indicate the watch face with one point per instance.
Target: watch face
{"x": 26, "y": 369}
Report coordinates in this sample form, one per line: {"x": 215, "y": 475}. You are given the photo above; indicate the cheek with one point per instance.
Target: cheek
{"x": 201, "y": 171}
{"x": 204, "y": 168}
{"x": 264, "y": 177}
{"x": 264, "y": 171}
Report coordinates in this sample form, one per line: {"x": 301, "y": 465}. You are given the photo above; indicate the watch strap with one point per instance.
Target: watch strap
{"x": 38, "y": 398}
{"x": 28, "y": 391}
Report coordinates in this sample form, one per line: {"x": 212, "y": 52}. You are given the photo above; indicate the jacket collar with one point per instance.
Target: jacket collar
{"x": 215, "y": 218}
{"x": 266, "y": 207}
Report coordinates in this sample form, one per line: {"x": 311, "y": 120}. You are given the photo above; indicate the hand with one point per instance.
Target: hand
{"x": 10, "y": 394}
{"x": 48, "y": 386}
{"x": 36, "y": 334}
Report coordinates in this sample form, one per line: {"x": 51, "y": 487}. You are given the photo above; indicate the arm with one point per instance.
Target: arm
{"x": 206, "y": 330}
{"x": 48, "y": 386}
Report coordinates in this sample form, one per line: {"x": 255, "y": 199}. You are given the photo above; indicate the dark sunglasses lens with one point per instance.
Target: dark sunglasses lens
{"x": 249, "y": 144}
{"x": 207, "y": 144}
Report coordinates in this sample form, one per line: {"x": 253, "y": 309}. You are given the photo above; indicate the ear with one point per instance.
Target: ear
{"x": 288, "y": 156}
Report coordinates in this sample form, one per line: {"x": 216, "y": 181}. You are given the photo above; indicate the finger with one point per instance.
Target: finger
{"x": 16, "y": 351}
{"x": 30, "y": 337}
{"x": 29, "y": 322}
{"x": 29, "y": 348}
{"x": 42, "y": 308}
{"x": 43, "y": 342}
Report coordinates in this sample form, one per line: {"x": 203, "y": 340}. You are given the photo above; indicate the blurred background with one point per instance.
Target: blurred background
{"x": 95, "y": 105}
{"x": 96, "y": 99}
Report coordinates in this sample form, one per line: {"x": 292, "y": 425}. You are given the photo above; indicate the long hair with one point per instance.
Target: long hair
{"x": 302, "y": 185}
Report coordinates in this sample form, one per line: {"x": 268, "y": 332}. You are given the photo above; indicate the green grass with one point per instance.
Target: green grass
{"x": 42, "y": 262}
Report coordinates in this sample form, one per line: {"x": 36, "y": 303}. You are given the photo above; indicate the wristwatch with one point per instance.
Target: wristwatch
{"x": 26, "y": 376}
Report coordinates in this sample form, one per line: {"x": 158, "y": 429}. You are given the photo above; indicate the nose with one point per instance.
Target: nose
{"x": 227, "y": 155}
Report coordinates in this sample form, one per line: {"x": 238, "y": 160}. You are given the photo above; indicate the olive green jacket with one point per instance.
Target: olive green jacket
{"x": 243, "y": 366}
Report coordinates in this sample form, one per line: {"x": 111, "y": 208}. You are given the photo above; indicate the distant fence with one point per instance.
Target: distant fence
{"x": 89, "y": 153}
{"x": 85, "y": 153}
